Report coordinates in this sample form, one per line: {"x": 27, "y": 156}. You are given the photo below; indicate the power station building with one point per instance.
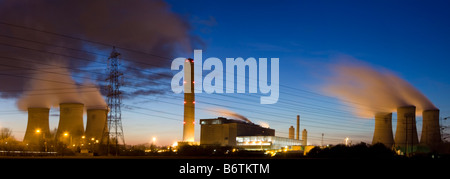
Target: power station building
{"x": 244, "y": 134}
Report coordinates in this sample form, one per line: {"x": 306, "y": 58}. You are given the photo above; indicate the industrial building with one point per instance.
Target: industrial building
{"x": 242, "y": 134}
{"x": 223, "y": 131}
{"x": 266, "y": 142}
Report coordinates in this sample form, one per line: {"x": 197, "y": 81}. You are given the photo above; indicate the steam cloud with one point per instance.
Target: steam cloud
{"x": 371, "y": 91}
{"x": 53, "y": 85}
{"x": 145, "y": 26}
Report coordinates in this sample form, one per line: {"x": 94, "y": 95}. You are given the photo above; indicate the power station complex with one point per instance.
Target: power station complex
{"x": 245, "y": 134}
{"x": 230, "y": 132}
{"x": 70, "y": 128}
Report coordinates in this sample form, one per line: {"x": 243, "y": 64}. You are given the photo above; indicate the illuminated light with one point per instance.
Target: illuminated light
{"x": 193, "y": 122}
{"x": 193, "y": 81}
{"x": 66, "y": 134}
{"x": 193, "y": 102}
{"x": 83, "y": 137}
{"x": 184, "y": 82}
{"x": 184, "y": 102}
{"x": 184, "y": 122}
{"x": 38, "y": 131}
{"x": 175, "y": 144}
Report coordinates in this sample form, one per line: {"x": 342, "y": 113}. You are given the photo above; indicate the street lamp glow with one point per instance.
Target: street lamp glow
{"x": 38, "y": 131}
{"x": 66, "y": 134}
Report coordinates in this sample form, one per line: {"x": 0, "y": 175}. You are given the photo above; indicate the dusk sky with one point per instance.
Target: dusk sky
{"x": 409, "y": 39}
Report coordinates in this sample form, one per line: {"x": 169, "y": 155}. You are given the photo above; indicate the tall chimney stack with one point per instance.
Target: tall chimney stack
{"x": 298, "y": 127}
{"x": 189, "y": 101}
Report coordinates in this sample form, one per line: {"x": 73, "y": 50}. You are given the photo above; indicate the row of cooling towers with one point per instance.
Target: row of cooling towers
{"x": 70, "y": 128}
{"x": 406, "y": 133}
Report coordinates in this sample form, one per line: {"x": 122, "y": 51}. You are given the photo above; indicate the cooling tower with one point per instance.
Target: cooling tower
{"x": 96, "y": 120}
{"x": 383, "y": 129}
{"x": 431, "y": 135}
{"x": 38, "y": 125}
{"x": 291, "y": 132}
{"x": 298, "y": 127}
{"x": 406, "y": 133}
{"x": 304, "y": 137}
{"x": 70, "y": 128}
{"x": 189, "y": 102}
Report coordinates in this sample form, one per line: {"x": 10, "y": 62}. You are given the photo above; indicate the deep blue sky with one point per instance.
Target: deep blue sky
{"x": 409, "y": 38}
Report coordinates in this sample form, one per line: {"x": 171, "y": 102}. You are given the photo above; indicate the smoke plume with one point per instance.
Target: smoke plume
{"x": 231, "y": 114}
{"x": 370, "y": 91}
{"x": 149, "y": 28}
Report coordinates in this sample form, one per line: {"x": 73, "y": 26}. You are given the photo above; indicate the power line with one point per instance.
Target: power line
{"x": 162, "y": 57}
{"x": 68, "y": 56}
{"x": 64, "y": 55}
